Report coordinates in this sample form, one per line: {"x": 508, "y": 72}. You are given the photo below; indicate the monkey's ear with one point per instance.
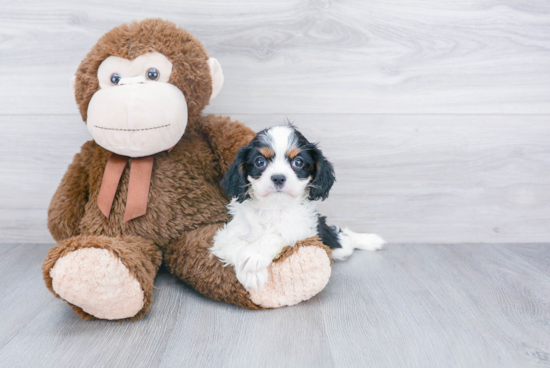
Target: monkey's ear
{"x": 217, "y": 76}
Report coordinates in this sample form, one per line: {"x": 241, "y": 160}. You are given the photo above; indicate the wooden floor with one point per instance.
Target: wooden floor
{"x": 405, "y": 306}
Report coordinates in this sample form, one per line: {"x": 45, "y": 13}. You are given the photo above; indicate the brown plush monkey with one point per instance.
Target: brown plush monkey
{"x": 147, "y": 187}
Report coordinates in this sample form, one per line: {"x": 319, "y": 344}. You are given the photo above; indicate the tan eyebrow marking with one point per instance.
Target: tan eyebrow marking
{"x": 293, "y": 152}
{"x": 267, "y": 152}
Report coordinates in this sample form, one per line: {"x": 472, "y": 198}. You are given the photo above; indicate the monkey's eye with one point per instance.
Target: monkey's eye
{"x": 115, "y": 78}
{"x": 298, "y": 163}
{"x": 260, "y": 162}
{"x": 152, "y": 74}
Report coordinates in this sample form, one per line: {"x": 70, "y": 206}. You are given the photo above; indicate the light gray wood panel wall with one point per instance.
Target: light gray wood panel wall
{"x": 420, "y": 178}
{"x": 318, "y": 56}
{"x": 434, "y": 112}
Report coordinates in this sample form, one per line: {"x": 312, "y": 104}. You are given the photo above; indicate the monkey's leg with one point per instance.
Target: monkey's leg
{"x": 104, "y": 277}
{"x": 298, "y": 274}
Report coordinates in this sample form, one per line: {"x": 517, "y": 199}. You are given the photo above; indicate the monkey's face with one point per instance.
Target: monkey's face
{"x": 141, "y": 83}
{"x": 136, "y": 112}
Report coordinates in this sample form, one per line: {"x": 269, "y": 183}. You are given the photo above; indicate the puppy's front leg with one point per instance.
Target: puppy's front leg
{"x": 253, "y": 260}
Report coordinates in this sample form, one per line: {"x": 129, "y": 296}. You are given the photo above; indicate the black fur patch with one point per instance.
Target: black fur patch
{"x": 328, "y": 234}
{"x": 320, "y": 168}
{"x": 235, "y": 181}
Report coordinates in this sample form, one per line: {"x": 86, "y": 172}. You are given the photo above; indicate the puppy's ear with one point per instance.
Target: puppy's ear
{"x": 324, "y": 176}
{"x": 234, "y": 181}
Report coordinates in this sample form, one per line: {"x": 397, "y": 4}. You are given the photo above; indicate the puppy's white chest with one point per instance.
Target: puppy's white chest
{"x": 291, "y": 223}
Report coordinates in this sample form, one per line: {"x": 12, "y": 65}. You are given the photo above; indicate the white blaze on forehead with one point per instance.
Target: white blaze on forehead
{"x": 282, "y": 139}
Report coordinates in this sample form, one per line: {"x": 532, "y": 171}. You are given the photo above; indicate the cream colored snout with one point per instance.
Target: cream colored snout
{"x": 137, "y": 118}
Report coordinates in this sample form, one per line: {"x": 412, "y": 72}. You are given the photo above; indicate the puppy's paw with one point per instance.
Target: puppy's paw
{"x": 251, "y": 261}
{"x": 251, "y": 269}
{"x": 253, "y": 280}
{"x": 369, "y": 241}
{"x": 296, "y": 277}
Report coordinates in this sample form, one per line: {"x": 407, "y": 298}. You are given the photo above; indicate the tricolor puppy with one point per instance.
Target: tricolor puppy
{"x": 275, "y": 181}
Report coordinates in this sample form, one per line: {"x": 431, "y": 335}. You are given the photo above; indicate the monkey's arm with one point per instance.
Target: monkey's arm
{"x": 299, "y": 272}
{"x": 190, "y": 259}
{"x": 67, "y": 205}
{"x": 225, "y": 137}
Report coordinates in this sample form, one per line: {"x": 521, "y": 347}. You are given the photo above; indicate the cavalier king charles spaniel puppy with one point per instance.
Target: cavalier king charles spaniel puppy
{"x": 274, "y": 182}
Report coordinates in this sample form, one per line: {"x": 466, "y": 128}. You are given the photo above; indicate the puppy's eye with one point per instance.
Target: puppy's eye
{"x": 115, "y": 78}
{"x": 152, "y": 74}
{"x": 260, "y": 162}
{"x": 298, "y": 163}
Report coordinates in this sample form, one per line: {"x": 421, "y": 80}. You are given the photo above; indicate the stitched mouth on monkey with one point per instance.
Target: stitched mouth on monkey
{"x": 132, "y": 115}
{"x": 132, "y": 130}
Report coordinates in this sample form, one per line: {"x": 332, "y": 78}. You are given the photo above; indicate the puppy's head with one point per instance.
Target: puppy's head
{"x": 279, "y": 163}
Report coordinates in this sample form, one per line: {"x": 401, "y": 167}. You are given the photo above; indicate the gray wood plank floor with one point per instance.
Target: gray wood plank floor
{"x": 460, "y": 305}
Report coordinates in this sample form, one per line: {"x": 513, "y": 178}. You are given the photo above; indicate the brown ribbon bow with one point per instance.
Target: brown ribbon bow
{"x": 138, "y": 187}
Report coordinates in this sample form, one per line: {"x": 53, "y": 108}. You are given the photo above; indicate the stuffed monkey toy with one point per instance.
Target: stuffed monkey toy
{"x": 147, "y": 188}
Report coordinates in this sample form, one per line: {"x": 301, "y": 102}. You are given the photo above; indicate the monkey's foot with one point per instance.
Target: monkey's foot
{"x": 299, "y": 273}
{"x": 97, "y": 282}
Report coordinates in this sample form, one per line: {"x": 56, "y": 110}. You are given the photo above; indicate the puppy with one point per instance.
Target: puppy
{"x": 275, "y": 181}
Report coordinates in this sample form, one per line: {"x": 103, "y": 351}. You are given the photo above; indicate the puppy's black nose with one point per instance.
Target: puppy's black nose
{"x": 278, "y": 180}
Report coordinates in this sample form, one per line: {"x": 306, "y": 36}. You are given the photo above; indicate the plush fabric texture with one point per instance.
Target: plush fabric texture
{"x": 217, "y": 76}
{"x": 140, "y": 257}
{"x": 184, "y": 192}
{"x": 184, "y": 195}
{"x": 186, "y": 203}
{"x": 98, "y": 282}
{"x": 191, "y": 260}
{"x": 137, "y": 120}
{"x": 307, "y": 258}
{"x": 190, "y": 69}
{"x": 137, "y": 117}
{"x": 133, "y": 68}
